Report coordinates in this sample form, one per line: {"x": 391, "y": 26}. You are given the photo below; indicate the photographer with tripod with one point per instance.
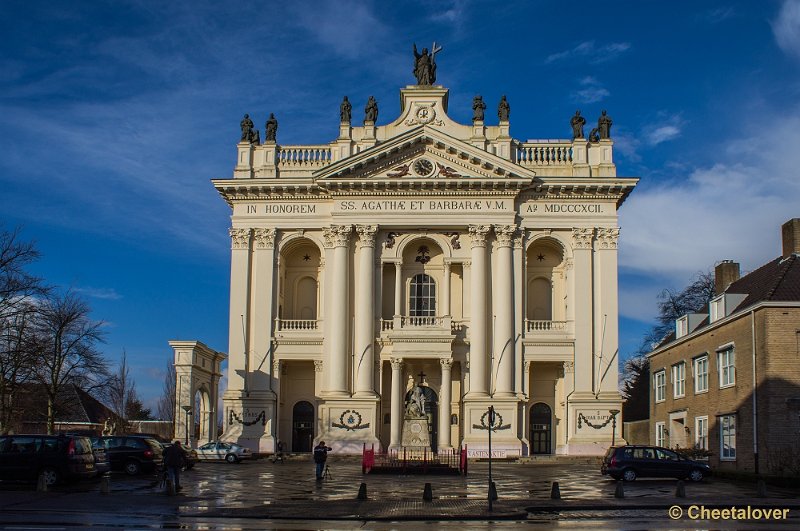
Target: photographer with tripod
{"x": 320, "y": 456}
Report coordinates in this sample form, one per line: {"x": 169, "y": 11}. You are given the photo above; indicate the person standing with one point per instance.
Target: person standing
{"x": 320, "y": 456}
{"x": 174, "y": 459}
{"x": 278, "y": 452}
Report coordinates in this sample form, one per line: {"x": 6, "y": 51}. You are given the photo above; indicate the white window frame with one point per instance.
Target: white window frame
{"x": 679, "y": 380}
{"x": 661, "y": 434}
{"x": 716, "y": 309}
{"x": 660, "y": 387}
{"x": 727, "y": 434}
{"x": 701, "y": 432}
{"x": 727, "y": 372}
{"x": 698, "y": 376}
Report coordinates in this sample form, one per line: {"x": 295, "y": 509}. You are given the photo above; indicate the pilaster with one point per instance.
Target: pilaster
{"x": 478, "y": 356}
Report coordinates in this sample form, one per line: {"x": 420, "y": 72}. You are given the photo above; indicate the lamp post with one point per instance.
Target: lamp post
{"x": 491, "y": 429}
{"x": 188, "y": 410}
{"x": 614, "y": 413}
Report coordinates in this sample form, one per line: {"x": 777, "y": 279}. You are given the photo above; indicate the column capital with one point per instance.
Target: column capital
{"x": 446, "y": 266}
{"x": 478, "y": 235}
{"x": 582, "y": 238}
{"x": 276, "y": 367}
{"x": 318, "y": 365}
{"x": 337, "y": 235}
{"x": 607, "y": 238}
{"x": 264, "y": 238}
{"x": 446, "y": 363}
{"x": 569, "y": 367}
{"x": 397, "y": 363}
{"x": 366, "y": 235}
{"x": 240, "y": 238}
{"x": 505, "y": 234}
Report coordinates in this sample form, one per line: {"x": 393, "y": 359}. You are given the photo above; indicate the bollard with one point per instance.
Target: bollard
{"x": 105, "y": 487}
{"x": 761, "y": 489}
{"x": 362, "y": 492}
{"x": 493, "y": 491}
{"x": 427, "y": 495}
{"x": 619, "y": 492}
{"x": 555, "y": 491}
{"x": 680, "y": 491}
{"x": 41, "y": 484}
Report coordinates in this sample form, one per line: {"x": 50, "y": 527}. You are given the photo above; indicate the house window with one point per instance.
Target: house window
{"x": 682, "y": 326}
{"x": 422, "y": 300}
{"x": 727, "y": 437}
{"x": 701, "y": 432}
{"x": 701, "y": 374}
{"x": 660, "y": 385}
{"x": 727, "y": 370}
{"x": 716, "y": 309}
{"x": 679, "y": 380}
{"x": 661, "y": 434}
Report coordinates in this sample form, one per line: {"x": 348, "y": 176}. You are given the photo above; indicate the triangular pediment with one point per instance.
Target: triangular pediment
{"x": 425, "y": 156}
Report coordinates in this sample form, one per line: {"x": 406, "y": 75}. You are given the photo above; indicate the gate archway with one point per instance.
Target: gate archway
{"x": 541, "y": 428}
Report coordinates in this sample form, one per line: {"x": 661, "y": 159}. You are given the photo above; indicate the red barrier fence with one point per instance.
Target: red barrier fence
{"x": 408, "y": 461}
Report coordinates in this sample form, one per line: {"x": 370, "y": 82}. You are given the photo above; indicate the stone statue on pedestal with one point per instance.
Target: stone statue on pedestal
{"x": 271, "y": 128}
{"x": 604, "y": 126}
{"x": 345, "y": 111}
{"x": 503, "y": 109}
{"x": 416, "y": 423}
{"x": 248, "y": 133}
{"x": 371, "y": 110}
{"x": 478, "y": 107}
{"x": 577, "y": 122}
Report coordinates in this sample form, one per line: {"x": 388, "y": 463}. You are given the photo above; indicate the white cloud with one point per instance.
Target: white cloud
{"x": 730, "y": 210}
{"x": 589, "y": 51}
{"x": 99, "y": 293}
{"x": 786, "y": 28}
{"x": 349, "y": 27}
{"x": 591, "y": 91}
{"x": 663, "y": 133}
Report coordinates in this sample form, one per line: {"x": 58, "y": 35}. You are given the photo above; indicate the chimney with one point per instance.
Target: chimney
{"x": 790, "y": 232}
{"x": 725, "y": 273}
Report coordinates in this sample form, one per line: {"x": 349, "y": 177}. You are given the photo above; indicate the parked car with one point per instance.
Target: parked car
{"x": 632, "y": 461}
{"x": 133, "y": 454}
{"x": 101, "y": 463}
{"x": 55, "y": 457}
{"x": 230, "y": 452}
{"x": 189, "y": 454}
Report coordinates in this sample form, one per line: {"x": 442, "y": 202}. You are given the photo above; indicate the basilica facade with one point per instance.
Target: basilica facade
{"x": 423, "y": 253}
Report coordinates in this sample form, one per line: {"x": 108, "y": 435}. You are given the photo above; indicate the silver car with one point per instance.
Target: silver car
{"x": 230, "y": 452}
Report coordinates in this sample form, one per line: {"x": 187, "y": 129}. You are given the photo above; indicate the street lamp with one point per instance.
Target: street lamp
{"x": 188, "y": 410}
{"x": 614, "y": 413}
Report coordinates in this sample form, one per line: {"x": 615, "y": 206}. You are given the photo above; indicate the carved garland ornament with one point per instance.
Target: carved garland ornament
{"x": 350, "y": 420}
{"x": 498, "y": 423}
{"x": 233, "y": 416}
{"x": 595, "y": 426}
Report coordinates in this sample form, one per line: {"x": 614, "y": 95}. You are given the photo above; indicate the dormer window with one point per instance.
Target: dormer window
{"x": 681, "y": 326}
{"x": 716, "y": 308}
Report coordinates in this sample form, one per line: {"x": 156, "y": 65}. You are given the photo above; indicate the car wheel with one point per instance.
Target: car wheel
{"x": 231, "y": 458}
{"x": 50, "y": 476}
{"x": 629, "y": 474}
{"x": 696, "y": 475}
{"x": 132, "y": 468}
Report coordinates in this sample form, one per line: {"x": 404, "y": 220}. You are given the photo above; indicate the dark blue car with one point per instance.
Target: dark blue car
{"x": 633, "y": 461}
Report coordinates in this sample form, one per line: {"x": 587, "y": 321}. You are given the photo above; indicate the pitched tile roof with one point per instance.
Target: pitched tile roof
{"x": 778, "y": 280}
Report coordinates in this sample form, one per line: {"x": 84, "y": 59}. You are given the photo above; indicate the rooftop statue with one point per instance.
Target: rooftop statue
{"x": 271, "y": 128}
{"x": 371, "y": 110}
{"x": 248, "y": 133}
{"x": 503, "y": 109}
{"x": 604, "y": 126}
{"x": 425, "y": 65}
{"x": 577, "y": 122}
{"x": 345, "y": 111}
{"x": 478, "y": 107}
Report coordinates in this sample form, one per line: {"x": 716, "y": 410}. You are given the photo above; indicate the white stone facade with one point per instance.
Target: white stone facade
{"x": 424, "y": 246}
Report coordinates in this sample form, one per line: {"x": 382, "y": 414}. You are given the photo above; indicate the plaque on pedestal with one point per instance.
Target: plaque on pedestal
{"x": 415, "y": 433}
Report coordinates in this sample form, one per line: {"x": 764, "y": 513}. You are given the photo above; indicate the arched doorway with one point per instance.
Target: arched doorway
{"x": 302, "y": 427}
{"x": 541, "y": 428}
{"x": 431, "y": 411}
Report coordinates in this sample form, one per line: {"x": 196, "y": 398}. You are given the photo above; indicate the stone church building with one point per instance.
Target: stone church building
{"x": 423, "y": 252}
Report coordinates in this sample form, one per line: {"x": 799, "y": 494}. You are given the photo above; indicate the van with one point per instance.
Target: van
{"x": 55, "y": 457}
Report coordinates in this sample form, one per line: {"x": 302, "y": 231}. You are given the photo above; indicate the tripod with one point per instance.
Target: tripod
{"x": 327, "y": 473}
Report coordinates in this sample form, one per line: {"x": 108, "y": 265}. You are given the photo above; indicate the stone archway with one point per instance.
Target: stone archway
{"x": 197, "y": 374}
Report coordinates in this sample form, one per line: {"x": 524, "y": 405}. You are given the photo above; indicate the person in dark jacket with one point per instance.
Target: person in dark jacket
{"x": 320, "y": 456}
{"x": 174, "y": 460}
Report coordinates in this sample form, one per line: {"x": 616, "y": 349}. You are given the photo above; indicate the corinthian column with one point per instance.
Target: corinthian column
{"x": 338, "y": 236}
{"x": 583, "y": 286}
{"x": 606, "y": 319}
{"x": 504, "y": 306}
{"x": 238, "y": 345}
{"x": 396, "y": 403}
{"x": 365, "y": 314}
{"x": 444, "y": 405}
{"x": 478, "y": 358}
{"x": 262, "y": 318}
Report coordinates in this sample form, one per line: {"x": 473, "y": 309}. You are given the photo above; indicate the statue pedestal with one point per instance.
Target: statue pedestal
{"x": 415, "y": 433}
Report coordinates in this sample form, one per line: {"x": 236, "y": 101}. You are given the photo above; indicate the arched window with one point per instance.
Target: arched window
{"x": 422, "y": 298}
{"x": 540, "y": 300}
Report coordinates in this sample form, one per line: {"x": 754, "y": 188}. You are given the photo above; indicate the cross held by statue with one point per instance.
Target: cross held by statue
{"x": 421, "y": 377}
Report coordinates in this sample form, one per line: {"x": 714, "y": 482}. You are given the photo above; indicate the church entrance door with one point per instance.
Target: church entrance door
{"x": 541, "y": 427}
{"x": 431, "y": 411}
{"x": 302, "y": 427}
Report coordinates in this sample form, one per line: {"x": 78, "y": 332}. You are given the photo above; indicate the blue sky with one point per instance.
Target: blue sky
{"x": 115, "y": 116}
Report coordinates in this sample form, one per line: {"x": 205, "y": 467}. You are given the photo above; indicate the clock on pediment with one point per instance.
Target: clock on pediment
{"x": 423, "y": 167}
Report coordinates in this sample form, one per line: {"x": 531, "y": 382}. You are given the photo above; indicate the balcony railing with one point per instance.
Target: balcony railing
{"x": 416, "y": 322}
{"x": 298, "y": 325}
{"x": 545, "y": 326}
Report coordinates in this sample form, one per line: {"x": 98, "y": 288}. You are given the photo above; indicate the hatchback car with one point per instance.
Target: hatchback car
{"x": 54, "y": 457}
{"x": 632, "y": 461}
{"x": 230, "y": 452}
{"x": 133, "y": 454}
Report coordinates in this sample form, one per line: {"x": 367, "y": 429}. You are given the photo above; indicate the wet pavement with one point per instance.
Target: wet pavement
{"x": 263, "y": 495}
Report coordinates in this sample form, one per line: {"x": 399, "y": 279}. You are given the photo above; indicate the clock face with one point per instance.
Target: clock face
{"x": 423, "y": 167}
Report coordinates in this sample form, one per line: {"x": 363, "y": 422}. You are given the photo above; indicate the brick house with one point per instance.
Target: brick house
{"x": 728, "y": 380}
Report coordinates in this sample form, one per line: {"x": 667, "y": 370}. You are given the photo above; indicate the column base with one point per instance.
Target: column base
{"x": 249, "y": 421}
{"x": 347, "y": 425}
{"x": 505, "y": 442}
{"x": 592, "y": 427}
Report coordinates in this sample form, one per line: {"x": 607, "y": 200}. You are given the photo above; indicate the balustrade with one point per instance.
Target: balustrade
{"x": 299, "y": 325}
{"x": 545, "y": 326}
{"x": 544, "y": 154}
{"x": 304, "y": 156}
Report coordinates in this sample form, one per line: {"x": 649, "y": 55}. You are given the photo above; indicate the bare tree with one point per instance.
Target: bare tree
{"x": 16, "y": 284}
{"x": 166, "y": 404}
{"x": 66, "y": 353}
